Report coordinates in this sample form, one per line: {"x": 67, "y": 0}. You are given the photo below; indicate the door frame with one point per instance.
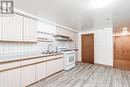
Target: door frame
{"x": 93, "y": 47}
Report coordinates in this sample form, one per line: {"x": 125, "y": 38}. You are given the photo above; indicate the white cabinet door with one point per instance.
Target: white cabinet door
{"x": 62, "y": 31}
{"x": 12, "y": 28}
{"x": 40, "y": 71}
{"x": 60, "y": 64}
{"x": 10, "y": 78}
{"x": 0, "y": 28}
{"x": 54, "y": 66}
{"x": 46, "y": 27}
{"x": 30, "y": 30}
{"x": 28, "y": 75}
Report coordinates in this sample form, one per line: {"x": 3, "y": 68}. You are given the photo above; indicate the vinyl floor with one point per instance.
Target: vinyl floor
{"x": 87, "y": 75}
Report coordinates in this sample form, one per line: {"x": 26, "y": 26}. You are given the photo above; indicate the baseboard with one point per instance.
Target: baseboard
{"x": 103, "y": 65}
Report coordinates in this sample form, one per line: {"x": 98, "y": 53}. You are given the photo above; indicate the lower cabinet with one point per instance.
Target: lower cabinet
{"x": 10, "y": 78}
{"x": 40, "y": 71}
{"x": 60, "y": 64}
{"x": 54, "y": 66}
{"x": 27, "y": 75}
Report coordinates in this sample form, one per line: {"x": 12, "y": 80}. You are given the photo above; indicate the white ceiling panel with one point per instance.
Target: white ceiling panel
{"x": 77, "y": 14}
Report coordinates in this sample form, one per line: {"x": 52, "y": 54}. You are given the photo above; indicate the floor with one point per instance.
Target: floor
{"x": 87, "y": 75}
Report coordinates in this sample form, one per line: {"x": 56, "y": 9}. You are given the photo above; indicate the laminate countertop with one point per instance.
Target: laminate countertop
{"x": 5, "y": 58}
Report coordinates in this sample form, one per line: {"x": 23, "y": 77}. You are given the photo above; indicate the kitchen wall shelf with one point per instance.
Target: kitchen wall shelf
{"x": 45, "y": 39}
{"x": 63, "y": 38}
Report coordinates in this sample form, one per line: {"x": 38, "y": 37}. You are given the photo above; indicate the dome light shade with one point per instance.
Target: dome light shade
{"x": 100, "y": 3}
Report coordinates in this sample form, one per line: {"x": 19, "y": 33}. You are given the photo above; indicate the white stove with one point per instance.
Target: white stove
{"x": 69, "y": 59}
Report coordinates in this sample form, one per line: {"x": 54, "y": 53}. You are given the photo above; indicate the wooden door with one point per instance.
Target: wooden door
{"x": 126, "y": 47}
{"x": 88, "y": 48}
{"x": 122, "y": 52}
{"x": 118, "y": 47}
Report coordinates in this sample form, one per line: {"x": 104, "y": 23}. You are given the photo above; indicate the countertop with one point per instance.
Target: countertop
{"x": 5, "y": 58}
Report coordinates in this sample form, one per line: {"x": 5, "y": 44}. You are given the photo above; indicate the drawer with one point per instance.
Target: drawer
{"x": 32, "y": 61}
{"x": 36, "y": 60}
{"x": 9, "y": 65}
{"x": 54, "y": 57}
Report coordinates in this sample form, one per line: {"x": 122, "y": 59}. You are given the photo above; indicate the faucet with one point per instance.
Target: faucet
{"x": 56, "y": 50}
{"x": 48, "y": 50}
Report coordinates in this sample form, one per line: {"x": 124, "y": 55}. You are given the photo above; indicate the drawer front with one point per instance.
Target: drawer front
{"x": 54, "y": 66}
{"x": 54, "y": 57}
{"x": 9, "y": 65}
{"x": 31, "y": 61}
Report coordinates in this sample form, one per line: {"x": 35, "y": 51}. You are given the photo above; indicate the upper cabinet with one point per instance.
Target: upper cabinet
{"x": 62, "y": 31}
{"x": 18, "y": 28}
{"x": 65, "y": 32}
{"x": 30, "y": 30}
{"x": 12, "y": 28}
{"x": 0, "y": 28}
{"x": 46, "y": 28}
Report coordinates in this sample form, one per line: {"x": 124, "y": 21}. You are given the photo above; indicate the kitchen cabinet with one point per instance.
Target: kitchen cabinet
{"x": 62, "y": 31}
{"x": 27, "y": 75}
{"x": 59, "y": 65}
{"x": 10, "y": 78}
{"x": 12, "y": 28}
{"x": 18, "y": 28}
{"x": 46, "y": 28}
{"x": 71, "y": 34}
{"x": 30, "y": 30}
{"x": 0, "y": 28}
{"x": 54, "y": 66}
{"x": 26, "y": 72}
{"x": 40, "y": 71}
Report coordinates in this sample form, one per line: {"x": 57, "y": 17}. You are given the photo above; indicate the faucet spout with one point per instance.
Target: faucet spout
{"x": 48, "y": 50}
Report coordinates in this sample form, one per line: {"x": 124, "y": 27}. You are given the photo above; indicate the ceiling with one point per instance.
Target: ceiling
{"x": 77, "y": 14}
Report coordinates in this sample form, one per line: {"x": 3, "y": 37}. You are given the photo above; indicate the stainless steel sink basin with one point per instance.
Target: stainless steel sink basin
{"x": 49, "y": 52}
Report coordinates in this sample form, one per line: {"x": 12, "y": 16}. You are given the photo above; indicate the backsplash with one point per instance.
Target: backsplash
{"x": 12, "y": 48}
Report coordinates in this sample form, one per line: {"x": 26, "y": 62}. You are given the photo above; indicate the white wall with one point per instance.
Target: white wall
{"x": 11, "y": 49}
{"x": 103, "y": 46}
{"x": 15, "y": 48}
{"x": 45, "y": 29}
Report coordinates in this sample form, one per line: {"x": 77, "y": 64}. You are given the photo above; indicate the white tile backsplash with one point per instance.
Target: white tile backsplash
{"x": 12, "y": 48}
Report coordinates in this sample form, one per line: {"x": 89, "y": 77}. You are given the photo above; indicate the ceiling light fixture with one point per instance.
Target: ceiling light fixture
{"x": 124, "y": 30}
{"x": 100, "y": 3}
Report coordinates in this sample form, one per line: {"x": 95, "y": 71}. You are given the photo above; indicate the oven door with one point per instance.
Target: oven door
{"x": 70, "y": 58}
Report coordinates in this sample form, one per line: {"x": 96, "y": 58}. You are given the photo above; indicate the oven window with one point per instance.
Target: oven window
{"x": 71, "y": 59}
